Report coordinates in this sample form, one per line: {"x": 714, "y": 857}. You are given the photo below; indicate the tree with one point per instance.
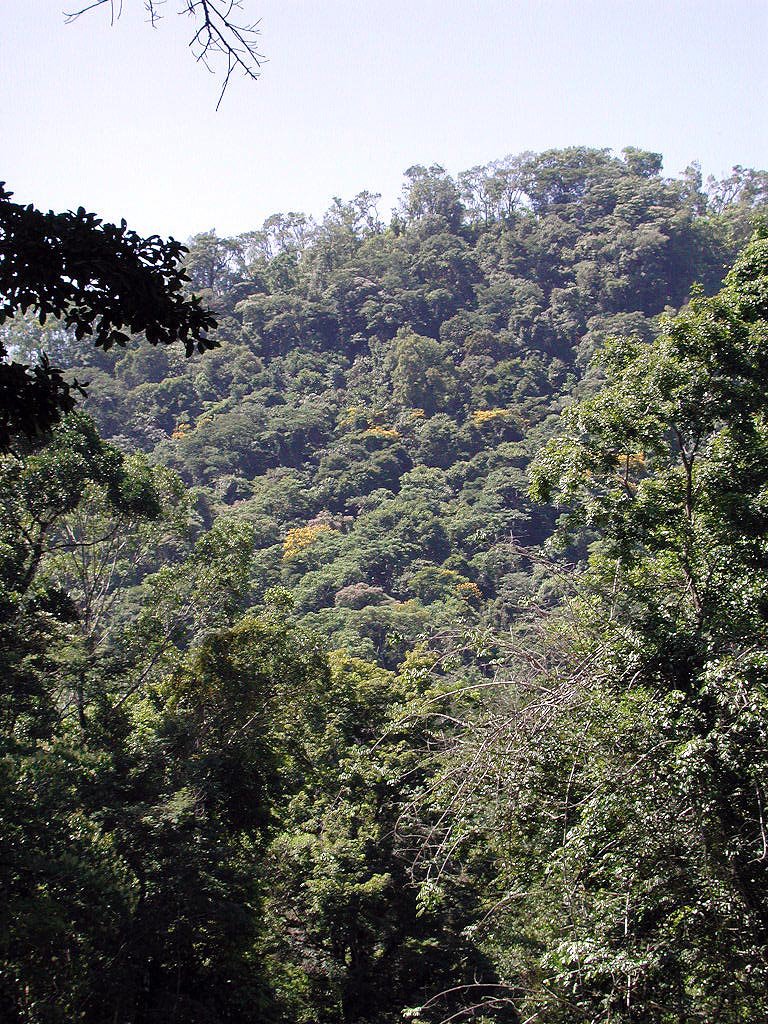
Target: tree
{"x": 431, "y": 193}
{"x": 100, "y": 280}
{"x": 419, "y": 371}
{"x": 642, "y": 162}
{"x": 350, "y": 940}
{"x": 627, "y": 746}
{"x": 668, "y": 458}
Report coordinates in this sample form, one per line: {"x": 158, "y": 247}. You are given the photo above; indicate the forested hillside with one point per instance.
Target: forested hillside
{"x": 403, "y": 656}
{"x": 379, "y": 389}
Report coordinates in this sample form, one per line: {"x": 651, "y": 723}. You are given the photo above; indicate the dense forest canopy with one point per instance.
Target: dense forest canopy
{"x": 402, "y": 656}
{"x": 379, "y": 390}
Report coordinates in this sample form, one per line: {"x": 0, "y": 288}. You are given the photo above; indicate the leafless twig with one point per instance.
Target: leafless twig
{"x": 219, "y": 36}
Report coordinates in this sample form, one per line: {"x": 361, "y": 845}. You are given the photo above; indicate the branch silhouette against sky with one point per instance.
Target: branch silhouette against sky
{"x": 219, "y": 36}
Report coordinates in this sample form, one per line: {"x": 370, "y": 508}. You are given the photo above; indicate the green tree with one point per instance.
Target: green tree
{"x": 349, "y": 939}
{"x": 629, "y": 745}
{"x": 419, "y": 371}
{"x": 98, "y": 279}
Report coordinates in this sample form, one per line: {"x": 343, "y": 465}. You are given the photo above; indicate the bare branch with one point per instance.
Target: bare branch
{"x": 219, "y": 36}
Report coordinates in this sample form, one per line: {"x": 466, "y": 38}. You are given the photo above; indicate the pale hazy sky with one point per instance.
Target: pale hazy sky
{"x": 121, "y": 120}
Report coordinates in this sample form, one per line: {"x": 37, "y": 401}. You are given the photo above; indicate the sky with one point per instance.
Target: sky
{"x": 120, "y": 119}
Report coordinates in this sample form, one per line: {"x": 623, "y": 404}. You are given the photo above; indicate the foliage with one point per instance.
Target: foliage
{"x": 626, "y": 746}
{"x": 348, "y": 938}
{"x": 354, "y": 355}
{"x": 518, "y": 787}
{"x": 98, "y": 279}
{"x": 301, "y": 537}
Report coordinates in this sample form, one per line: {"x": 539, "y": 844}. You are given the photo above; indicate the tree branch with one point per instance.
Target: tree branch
{"x": 218, "y": 36}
